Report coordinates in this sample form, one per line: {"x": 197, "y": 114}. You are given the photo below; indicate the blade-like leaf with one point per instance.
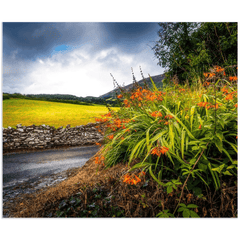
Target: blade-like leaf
{"x": 182, "y": 143}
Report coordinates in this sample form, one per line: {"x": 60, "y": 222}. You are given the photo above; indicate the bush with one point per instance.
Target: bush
{"x": 5, "y": 96}
{"x": 182, "y": 135}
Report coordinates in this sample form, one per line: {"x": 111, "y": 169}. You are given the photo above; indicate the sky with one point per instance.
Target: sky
{"x": 76, "y": 57}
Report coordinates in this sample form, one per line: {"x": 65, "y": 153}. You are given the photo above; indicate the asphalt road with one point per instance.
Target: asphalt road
{"x": 26, "y": 173}
{"x": 21, "y": 167}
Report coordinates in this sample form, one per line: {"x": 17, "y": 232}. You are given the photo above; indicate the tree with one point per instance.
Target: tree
{"x": 189, "y": 49}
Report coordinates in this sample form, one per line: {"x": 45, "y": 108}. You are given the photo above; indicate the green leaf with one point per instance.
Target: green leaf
{"x": 192, "y": 114}
{"x": 169, "y": 189}
{"x": 192, "y": 206}
{"x": 219, "y": 134}
{"x": 182, "y": 143}
{"x": 218, "y": 144}
{"x": 180, "y": 122}
{"x": 226, "y": 152}
{"x": 197, "y": 191}
{"x": 202, "y": 166}
{"x": 171, "y": 135}
{"x": 141, "y": 165}
{"x": 181, "y": 209}
{"x": 157, "y": 136}
{"x": 227, "y": 173}
{"x": 153, "y": 176}
{"x": 182, "y": 205}
{"x": 154, "y": 86}
{"x": 137, "y": 147}
{"x": 193, "y": 214}
{"x": 186, "y": 213}
{"x": 219, "y": 169}
{"x": 195, "y": 148}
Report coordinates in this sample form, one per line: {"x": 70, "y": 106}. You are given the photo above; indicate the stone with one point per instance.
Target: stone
{"x": 44, "y": 136}
{"x": 19, "y": 125}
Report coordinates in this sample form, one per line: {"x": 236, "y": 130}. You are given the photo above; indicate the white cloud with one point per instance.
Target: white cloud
{"x": 82, "y": 71}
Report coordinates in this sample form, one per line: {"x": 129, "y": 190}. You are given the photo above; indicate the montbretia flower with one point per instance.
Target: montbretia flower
{"x": 111, "y": 136}
{"x": 233, "y": 78}
{"x": 131, "y": 179}
{"x": 156, "y": 114}
{"x": 159, "y": 150}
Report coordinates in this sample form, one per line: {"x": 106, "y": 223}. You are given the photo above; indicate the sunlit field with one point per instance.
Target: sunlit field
{"x": 28, "y": 112}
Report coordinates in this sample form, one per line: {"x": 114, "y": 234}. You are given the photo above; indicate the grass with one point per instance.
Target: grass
{"x": 28, "y": 112}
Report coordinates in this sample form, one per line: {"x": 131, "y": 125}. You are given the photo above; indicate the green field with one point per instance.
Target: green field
{"x": 28, "y": 112}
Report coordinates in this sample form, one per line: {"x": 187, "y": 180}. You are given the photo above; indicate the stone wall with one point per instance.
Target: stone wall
{"x": 46, "y": 137}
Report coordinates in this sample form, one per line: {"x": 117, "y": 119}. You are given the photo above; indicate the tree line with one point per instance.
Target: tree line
{"x": 63, "y": 98}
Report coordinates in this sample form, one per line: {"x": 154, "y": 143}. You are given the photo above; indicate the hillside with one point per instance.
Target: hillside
{"x": 156, "y": 79}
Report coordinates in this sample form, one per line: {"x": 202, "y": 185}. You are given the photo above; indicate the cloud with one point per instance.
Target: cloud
{"x": 82, "y": 71}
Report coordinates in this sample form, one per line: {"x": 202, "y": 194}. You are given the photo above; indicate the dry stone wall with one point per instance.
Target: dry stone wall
{"x": 45, "y": 137}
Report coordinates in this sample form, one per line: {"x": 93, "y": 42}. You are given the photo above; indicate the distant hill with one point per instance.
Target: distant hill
{"x": 156, "y": 79}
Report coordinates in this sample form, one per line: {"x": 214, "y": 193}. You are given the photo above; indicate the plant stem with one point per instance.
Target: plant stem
{"x": 187, "y": 179}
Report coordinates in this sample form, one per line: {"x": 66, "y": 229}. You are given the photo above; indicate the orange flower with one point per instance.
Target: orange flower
{"x": 142, "y": 173}
{"x": 111, "y": 136}
{"x": 156, "y": 114}
{"x": 108, "y": 114}
{"x": 99, "y": 144}
{"x": 202, "y": 104}
{"x": 99, "y": 160}
{"x": 159, "y": 150}
{"x": 219, "y": 69}
{"x": 200, "y": 126}
{"x": 130, "y": 179}
{"x": 236, "y": 105}
{"x": 120, "y": 96}
{"x": 206, "y": 83}
{"x": 205, "y": 74}
{"x": 168, "y": 116}
{"x": 181, "y": 90}
{"x": 224, "y": 90}
{"x": 163, "y": 150}
{"x": 229, "y": 96}
{"x": 233, "y": 78}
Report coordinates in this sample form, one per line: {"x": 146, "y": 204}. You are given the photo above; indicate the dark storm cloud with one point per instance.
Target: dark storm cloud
{"x": 75, "y": 58}
{"x": 32, "y": 40}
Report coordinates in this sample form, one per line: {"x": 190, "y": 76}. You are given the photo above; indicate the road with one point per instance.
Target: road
{"x": 28, "y": 172}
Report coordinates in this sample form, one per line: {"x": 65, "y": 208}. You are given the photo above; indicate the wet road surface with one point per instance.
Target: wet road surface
{"x": 28, "y": 172}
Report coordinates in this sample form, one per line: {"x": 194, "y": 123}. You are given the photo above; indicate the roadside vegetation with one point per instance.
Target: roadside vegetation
{"x": 28, "y": 112}
{"x": 172, "y": 153}
{"x": 168, "y": 152}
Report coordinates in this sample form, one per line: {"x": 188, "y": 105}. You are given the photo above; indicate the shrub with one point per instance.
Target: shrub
{"x": 179, "y": 135}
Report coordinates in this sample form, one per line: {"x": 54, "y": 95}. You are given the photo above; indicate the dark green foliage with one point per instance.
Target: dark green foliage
{"x": 64, "y": 98}
{"x": 189, "y": 49}
{"x": 5, "y": 96}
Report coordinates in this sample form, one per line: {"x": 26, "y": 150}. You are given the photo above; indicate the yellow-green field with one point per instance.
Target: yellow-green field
{"x": 28, "y": 112}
